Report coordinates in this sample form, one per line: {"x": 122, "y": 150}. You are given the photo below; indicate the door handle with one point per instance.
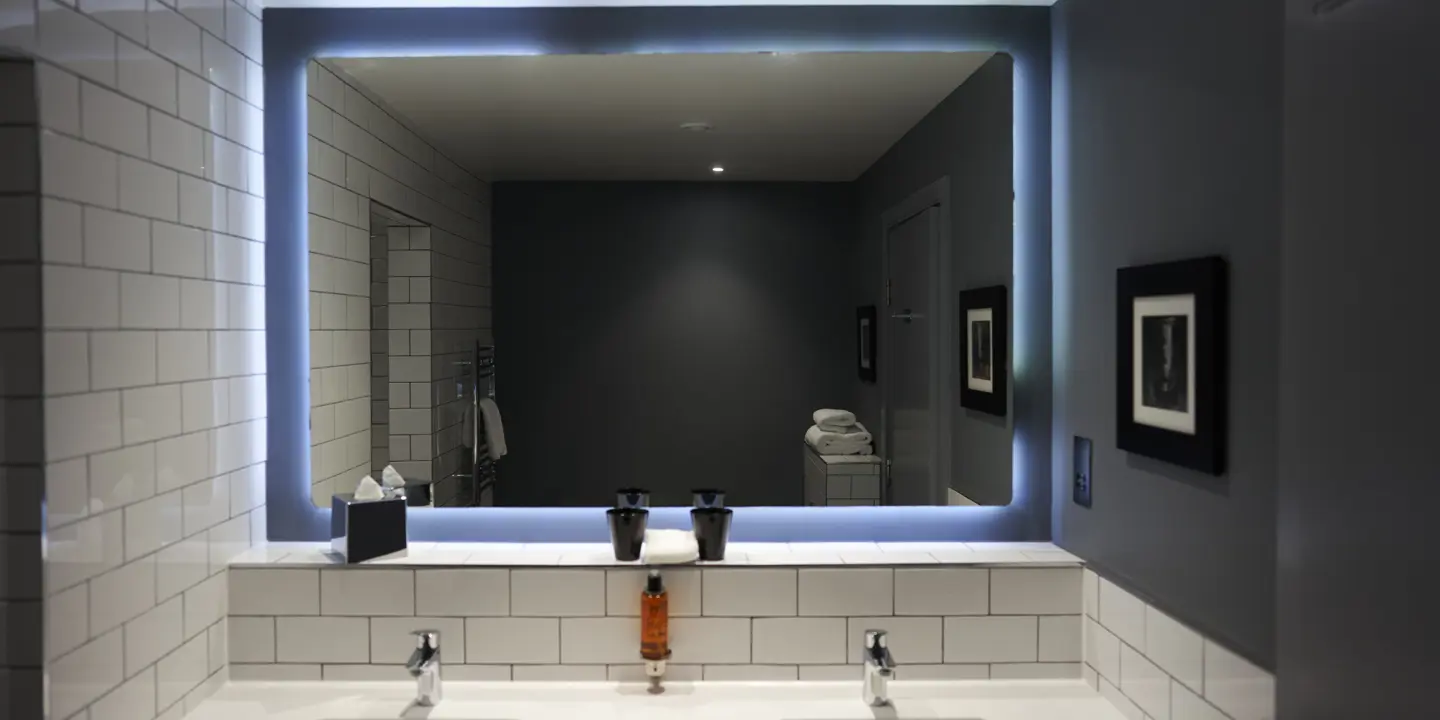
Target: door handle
{"x": 907, "y": 316}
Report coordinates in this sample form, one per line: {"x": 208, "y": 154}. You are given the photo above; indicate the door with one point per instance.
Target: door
{"x": 908, "y": 359}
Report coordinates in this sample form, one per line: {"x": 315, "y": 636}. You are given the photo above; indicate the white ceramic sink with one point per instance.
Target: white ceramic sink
{"x": 965, "y": 700}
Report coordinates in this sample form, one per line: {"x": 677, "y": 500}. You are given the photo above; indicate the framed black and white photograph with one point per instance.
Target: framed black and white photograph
{"x": 1171, "y": 346}
{"x": 865, "y": 339}
{"x": 984, "y": 371}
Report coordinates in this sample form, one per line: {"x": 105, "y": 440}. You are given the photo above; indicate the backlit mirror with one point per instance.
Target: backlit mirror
{"x": 536, "y": 280}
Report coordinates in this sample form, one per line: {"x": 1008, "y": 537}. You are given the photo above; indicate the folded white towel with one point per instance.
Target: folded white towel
{"x": 833, "y": 417}
{"x": 494, "y": 430}
{"x": 669, "y": 547}
{"x": 846, "y": 450}
{"x": 841, "y": 429}
{"x": 829, "y": 443}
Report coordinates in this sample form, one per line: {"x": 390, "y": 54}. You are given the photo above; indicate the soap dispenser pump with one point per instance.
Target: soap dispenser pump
{"x": 654, "y": 629}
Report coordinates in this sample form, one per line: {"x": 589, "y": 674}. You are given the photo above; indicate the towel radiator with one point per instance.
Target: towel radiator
{"x": 474, "y": 379}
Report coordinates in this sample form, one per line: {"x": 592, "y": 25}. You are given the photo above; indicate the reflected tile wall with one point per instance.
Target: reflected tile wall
{"x": 425, "y": 289}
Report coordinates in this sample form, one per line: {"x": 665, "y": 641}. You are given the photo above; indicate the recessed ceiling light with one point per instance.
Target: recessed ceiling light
{"x": 696, "y": 126}
{"x": 717, "y": 169}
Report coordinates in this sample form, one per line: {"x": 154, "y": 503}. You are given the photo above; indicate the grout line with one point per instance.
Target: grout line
{"x": 1204, "y": 654}
{"x": 119, "y": 153}
{"x": 1037, "y": 638}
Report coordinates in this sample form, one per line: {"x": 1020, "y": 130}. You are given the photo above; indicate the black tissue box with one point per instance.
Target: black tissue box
{"x": 364, "y": 529}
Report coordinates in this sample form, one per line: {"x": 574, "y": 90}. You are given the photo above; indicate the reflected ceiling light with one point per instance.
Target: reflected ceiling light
{"x": 717, "y": 169}
{"x": 698, "y": 127}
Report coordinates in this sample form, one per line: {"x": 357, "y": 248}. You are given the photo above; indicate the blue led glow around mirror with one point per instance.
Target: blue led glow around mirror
{"x": 292, "y": 37}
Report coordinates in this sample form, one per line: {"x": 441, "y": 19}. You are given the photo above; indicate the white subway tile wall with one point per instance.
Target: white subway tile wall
{"x": 710, "y": 640}
{"x": 153, "y": 479}
{"x": 1061, "y": 638}
{"x": 942, "y": 591}
{"x": 992, "y": 638}
{"x": 844, "y": 592}
{"x": 388, "y": 321}
{"x": 602, "y": 640}
{"x": 1023, "y": 591}
{"x": 682, "y": 590}
{"x": 830, "y": 480}
{"x": 1122, "y": 613}
{"x": 381, "y": 592}
{"x": 749, "y": 593}
{"x": 919, "y": 640}
{"x": 798, "y": 640}
{"x": 1150, "y": 665}
{"x": 460, "y": 593}
{"x": 544, "y": 624}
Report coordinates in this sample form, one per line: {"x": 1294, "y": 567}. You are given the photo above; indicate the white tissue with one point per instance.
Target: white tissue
{"x": 669, "y": 547}
{"x": 391, "y": 477}
{"x": 368, "y": 489}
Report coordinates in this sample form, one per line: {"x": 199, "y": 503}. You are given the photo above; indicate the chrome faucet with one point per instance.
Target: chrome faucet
{"x": 879, "y": 668}
{"x": 424, "y": 666}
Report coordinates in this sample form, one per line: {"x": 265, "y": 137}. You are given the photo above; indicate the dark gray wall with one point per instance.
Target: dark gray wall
{"x": 967, "y": 137}
{"x": 668, "y": 335}
{"x": 1167, "y": 122}
{"x": 1358, "y": 484}
{"x": 22, "y": 416}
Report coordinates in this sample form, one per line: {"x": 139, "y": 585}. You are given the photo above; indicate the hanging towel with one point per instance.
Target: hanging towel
{"x": 494, "y": 431}
{"x": 833, "y": 417}
{"x": 829, "y": 443}
{"x": 467, "y": 428}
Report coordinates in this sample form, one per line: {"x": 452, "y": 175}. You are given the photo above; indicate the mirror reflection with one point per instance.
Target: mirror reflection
{"x": 537, "y": 281}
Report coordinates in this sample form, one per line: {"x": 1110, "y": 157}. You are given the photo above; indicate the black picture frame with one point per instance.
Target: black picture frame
{"x": 866, "y": 333}
{"x": 1182, "y": 376}
{"x": 985, "y": 387}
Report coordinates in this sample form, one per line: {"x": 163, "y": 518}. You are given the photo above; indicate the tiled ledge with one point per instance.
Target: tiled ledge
{"x": 726, "y": 623}
{"x": 742, "y": 554}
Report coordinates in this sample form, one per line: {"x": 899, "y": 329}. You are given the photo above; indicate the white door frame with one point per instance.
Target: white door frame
{"x": 942, "y": 351}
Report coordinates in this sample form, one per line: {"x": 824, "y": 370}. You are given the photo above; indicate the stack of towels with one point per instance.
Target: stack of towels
{"x": 835, "y": 432}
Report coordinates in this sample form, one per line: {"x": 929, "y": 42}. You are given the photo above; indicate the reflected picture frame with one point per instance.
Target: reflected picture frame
{"x": 984, "y": 349}
{"x": 1171, "y": 350}
{"x": 866, "y": 334}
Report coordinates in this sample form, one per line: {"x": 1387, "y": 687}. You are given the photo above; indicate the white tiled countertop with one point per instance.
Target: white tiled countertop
{"x": 283, "y": 554}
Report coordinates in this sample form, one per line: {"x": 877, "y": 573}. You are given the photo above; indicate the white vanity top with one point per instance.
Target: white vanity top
{"x": 990, "y": 699}
{"x": 281, "y": 554}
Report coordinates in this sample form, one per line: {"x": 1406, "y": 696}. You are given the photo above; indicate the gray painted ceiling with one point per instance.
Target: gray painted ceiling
{"x": 791, "y": 117}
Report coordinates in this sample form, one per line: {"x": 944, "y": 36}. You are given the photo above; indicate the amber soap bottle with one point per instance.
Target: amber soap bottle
{"x": 654, "y": 628}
